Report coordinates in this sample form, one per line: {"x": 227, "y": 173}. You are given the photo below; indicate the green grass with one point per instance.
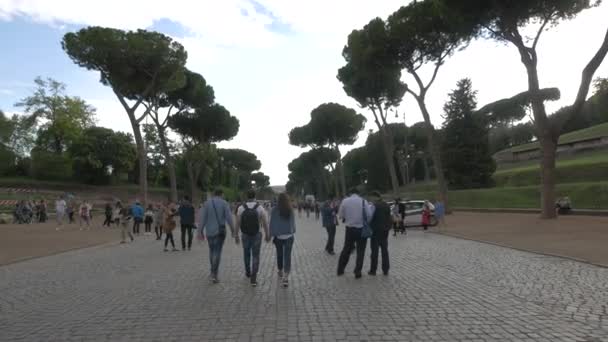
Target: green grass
{"x": 588, "y": 168}
{"x": 593, "y": 195}
{"x": 588, "y": 156}
{"x": 583, "y": 134}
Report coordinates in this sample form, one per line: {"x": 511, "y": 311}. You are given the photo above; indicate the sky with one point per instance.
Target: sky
{"x": 271, "y": 62}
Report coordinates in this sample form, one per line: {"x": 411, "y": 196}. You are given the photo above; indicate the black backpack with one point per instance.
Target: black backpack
{"x": 250, "y": 221}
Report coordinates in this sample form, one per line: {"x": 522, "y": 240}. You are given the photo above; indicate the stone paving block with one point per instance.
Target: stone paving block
{"x": 439, "y": 289}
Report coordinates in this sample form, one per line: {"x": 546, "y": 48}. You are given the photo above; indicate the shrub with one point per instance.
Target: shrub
{"x": 50, "y": 166}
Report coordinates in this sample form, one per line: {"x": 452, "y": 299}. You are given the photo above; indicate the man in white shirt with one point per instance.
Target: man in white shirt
{"x": 249, "y": 217}
{"x": 351, "y": 212}
{"x": 60, "y": 206}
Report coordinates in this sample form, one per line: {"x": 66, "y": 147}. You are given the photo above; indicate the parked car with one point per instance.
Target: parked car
{"x": 413, "y": 212}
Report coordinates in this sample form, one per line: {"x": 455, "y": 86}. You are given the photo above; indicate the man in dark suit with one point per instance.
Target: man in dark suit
{"x": 381, "y": 225}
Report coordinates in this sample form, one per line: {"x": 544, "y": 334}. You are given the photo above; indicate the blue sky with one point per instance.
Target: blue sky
{"x": 270, "y": 61}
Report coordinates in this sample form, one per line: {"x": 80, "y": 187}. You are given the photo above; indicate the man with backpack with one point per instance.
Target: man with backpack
{"x": 381, "y": 225}
{"x": 249, "y": 217}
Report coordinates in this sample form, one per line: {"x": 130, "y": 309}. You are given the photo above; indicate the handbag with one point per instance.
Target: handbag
{"x": 221, "y": 227}
{"x": 366, "y": 230}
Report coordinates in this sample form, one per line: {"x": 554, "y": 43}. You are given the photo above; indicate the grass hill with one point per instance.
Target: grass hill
{"x": 583, "y": 177}
{"x": 580, "y": 135}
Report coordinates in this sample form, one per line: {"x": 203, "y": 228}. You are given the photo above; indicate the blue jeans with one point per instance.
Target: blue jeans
{"x": 251, "y": 252}
{"x": 215, "y": 251}
{"x": 284, "y": 253}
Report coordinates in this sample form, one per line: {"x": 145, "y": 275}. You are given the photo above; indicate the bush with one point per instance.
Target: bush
{"x": 50, "y": 166}
{"x": 7, "y": 161}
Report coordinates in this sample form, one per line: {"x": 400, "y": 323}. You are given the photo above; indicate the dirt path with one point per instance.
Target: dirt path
{"x": 579, "y": 237}
{"x": 20, "y": 242}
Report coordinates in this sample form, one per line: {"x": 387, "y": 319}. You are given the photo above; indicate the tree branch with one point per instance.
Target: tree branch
{"x": 146, "y": 91}
{"x": 437, "y": 66}
{"x": 416, "y": 96}
{"x": 373, "y": 108}
{"x": 586, "y": 78}
{"x": 521, "y": 99}
{"x": 143, "y": 116}
{"x": 540, "y": 31}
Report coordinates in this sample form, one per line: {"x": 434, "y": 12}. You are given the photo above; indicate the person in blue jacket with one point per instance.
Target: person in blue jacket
{"x": 137, "y": 211}
{"x": 283, "y": 230}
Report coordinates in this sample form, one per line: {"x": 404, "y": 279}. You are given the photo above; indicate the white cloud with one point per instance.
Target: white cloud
{"x": 271, "y": 79}
{"x": 6, "y": 92}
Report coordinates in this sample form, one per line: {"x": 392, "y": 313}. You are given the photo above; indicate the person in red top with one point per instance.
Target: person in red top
{"x": 426, "y": 215}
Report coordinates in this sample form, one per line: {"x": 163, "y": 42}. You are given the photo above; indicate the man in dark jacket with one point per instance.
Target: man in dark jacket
{"x": 328, "y": 215}
{"x": 186, "y": 219}
{"x": 381, "y": 224}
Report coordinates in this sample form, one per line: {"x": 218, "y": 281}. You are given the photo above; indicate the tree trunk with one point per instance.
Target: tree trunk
{"x": 169, "y": 163}
{"x": 435, "y": 154}
{"x": 547, "y": 176}
{"x": 389, "y": 150}
{"x": 340, "y": 169}
{"x": 402, "y": 167}
{"x": 547, "y": 137}
{"x": 427, "y": 169}
{"x": 192, "y": 178}
{"x": 143, "y": 158}
{"x": 336, "y": 181}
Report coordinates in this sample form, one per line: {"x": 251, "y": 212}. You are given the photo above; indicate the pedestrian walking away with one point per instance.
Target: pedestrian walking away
{"x": 84, "y": 212}
{"x": 108, "y": 215}
{"x": 250, "y": 216}
{"x": 116, "y": 213}
{"x": 186, "y": 221}
{"x": 138, "y": 216}
{"x": 169, "y": 225}
{"x": 214, "y": 216}
{"x": 70, "y": 213}
{"x": 329, "y": 221}
{"x": 42, "y": 211}
{"x": 354, "y": 210}
{"x": 60, "y": 210}
{"x": 159, "y": 217}
{"x": 125, "y": 220}
{"x": 283, "y": 229}
{"x": 381, "y": 226}
{"x": 148, "y": 219}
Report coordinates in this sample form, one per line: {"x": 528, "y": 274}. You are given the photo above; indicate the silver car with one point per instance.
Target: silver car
{"x": 413, "y": 212}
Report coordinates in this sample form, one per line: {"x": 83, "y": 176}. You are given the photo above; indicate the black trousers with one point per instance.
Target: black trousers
{"x": 186, "y": 230}
{"x": 352, "y": 238}
{"x": 159, "y": 231}
{"x": 107, "y": 221}
{"x": 136, "y": 224}
{"x": 169, "y": 237}
{"x": 379, "y": 241}
{"x": 331, "y": 236}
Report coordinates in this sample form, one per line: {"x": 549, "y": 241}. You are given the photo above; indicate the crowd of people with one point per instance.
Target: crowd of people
{"x": 27, "y": 211}
{"x": 252, "y": 223}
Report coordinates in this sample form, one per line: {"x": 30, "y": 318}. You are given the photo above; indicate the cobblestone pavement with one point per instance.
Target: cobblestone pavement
{"x": 439, "y": 289}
